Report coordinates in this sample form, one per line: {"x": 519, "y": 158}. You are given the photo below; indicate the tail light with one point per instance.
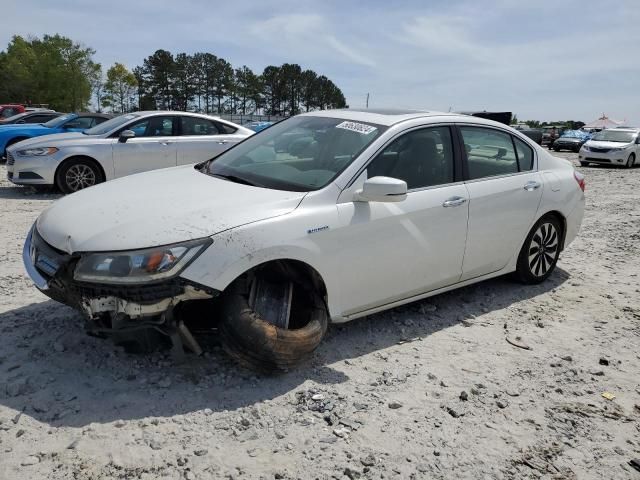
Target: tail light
{"x": 580, "y": 179}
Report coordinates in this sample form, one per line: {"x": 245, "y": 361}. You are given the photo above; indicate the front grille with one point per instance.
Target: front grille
{"x": 599, "y": 150}
{"x": 10, "y": 159}
{"x": 603, "y": 160}
{"x": 133, "y": 293}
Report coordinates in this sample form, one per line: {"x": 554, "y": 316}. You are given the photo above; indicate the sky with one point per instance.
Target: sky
{"x": 542, "y": 60}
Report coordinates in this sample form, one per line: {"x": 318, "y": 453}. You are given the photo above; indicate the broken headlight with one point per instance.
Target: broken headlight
{"x": 138, "y": 266}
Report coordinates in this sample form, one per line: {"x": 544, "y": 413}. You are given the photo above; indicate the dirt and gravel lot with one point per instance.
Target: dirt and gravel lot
{"x": 430, "y": 390}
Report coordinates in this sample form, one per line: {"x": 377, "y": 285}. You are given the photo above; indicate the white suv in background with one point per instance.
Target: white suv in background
{"x": 615, "y": 146}
{"x": 131, "y": 143}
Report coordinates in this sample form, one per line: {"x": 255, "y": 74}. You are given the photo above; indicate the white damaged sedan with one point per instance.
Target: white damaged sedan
{"x": 324, "y": 217}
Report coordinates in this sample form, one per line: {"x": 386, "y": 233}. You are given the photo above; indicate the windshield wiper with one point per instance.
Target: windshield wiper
{"x": 236, "y": 179}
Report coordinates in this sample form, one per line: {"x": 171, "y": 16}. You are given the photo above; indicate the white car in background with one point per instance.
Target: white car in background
{"x": 364, "y": 211}
{"x": 127, "y": 144}
{"x": 615, "y": 146}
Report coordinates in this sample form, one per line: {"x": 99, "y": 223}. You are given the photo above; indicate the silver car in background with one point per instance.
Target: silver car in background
{"x": 613, "y": 146}
{"x": 131, "y": 143}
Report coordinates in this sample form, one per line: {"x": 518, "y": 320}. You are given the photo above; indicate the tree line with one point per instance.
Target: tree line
{"x": 56, "y": 71}
{"x": 53, "y": 70}
{"x": 207, "y": 83}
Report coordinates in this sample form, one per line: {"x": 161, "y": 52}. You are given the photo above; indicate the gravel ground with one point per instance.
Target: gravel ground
{"x": 429, "y": 390}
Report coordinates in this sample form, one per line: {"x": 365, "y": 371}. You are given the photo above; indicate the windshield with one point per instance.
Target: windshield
{"x": 614, "y": 136}
{"x": 15, "y": 117}
{"x": 56, "y": 122}
{"x": 299, "y": 154}
{"x": 109, "y": 125}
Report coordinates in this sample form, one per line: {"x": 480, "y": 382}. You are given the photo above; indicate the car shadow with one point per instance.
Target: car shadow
{"x": 53, "y": 372}
{"x": 14, "y": 192}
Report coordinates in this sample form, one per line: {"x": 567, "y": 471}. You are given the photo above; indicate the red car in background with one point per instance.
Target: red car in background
{"x": 10, "y": 110}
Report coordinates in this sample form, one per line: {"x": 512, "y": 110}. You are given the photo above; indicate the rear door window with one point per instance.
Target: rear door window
{"x": 198, "y": 126}
{"x": 489, "y": 152}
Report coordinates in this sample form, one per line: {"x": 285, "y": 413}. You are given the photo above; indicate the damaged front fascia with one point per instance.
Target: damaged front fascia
{"x": 111, "y": 304}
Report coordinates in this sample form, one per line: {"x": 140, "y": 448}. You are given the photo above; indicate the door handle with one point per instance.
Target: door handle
{"x": 222, "y": 142}
{"x": 454, "y": 202}
{"x": 166, "y": 142}
{"x": 531, "y": 186}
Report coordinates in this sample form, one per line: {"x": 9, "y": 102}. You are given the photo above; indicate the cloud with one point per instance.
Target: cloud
{"x": 307, "y": 35}
{"x": 542, "y": 59}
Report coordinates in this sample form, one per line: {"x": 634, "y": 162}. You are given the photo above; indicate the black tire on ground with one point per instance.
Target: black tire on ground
{"x": 584, "y": 164}
{"x": 78, "y": 173}
{"x": 261, "y": 346}
{"x": 556, "y": 149}
{"x": 630, "y": 161}
{"x": 540, "y": 251}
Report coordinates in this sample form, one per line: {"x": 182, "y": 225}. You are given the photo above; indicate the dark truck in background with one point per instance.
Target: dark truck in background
{"x": 534, "y": 134}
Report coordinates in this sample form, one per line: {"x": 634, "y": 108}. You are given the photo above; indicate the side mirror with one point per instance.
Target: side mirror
{"x": 382, "y": 189}
{"x": 126, "y": 135}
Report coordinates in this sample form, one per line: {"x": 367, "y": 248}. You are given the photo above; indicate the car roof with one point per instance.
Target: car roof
{"x": 390, "y": 117}
{"x": 93, "y": 114}
{"x": 173, "y": 112}
{"x": 386, "y": 117}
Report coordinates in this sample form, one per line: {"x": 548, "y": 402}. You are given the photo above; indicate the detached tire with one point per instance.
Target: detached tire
{"x": 78, "y": 173}
{"x": 260, "y": 345}
{"x": 540, "y": 252}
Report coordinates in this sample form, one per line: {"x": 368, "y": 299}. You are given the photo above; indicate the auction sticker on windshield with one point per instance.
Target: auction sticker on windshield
{"x": 357, "y": 127}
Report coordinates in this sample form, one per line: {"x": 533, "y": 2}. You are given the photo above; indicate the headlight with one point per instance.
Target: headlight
{"x": 138, "y": 266}
{"x": 39, "y": 152}
{"x": 586, "y": 148}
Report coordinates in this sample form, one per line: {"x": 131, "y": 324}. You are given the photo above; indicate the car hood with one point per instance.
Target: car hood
{"x": 58, "y": 140}
{"x": 603, "y": 144}
{"x": 157, "y": 208}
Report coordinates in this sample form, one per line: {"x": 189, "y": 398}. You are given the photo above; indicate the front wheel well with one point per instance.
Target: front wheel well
{"x": 297, "y": 271}
{"x": 66, "y": 161}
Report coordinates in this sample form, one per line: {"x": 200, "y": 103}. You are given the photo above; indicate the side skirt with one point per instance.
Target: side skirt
{"x": 343, "y": 319}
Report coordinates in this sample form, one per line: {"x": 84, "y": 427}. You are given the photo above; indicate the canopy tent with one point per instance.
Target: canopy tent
{"x": 603, "y": 122}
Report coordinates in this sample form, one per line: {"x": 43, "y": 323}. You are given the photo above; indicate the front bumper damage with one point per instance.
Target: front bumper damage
{"x": 123, "y": 312}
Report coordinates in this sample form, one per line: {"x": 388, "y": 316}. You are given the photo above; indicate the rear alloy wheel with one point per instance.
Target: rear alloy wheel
{"x": 540, "y": 251}
{"x": 78, "y": 174}
{"x": 630, "y": 161}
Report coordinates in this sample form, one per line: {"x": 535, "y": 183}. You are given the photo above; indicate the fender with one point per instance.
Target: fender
{"x": 238, "y": 250}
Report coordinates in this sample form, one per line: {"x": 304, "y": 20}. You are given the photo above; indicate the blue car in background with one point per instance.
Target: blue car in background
{"x": 257, "y": 126}
{"x": 571, "y": 140}
{"x": 71, "y": 122}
